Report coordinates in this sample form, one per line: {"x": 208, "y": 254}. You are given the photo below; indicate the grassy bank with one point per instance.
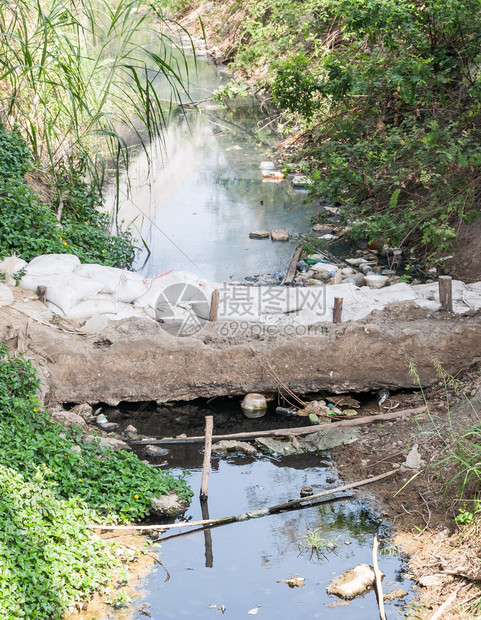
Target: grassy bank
{"x": 78, "y": 100}
{"x": 382, "y": 99}
{"x": 52, "y": 486}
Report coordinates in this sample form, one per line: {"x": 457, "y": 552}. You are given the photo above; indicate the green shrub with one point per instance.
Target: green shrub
{"x": 30, "y": 227}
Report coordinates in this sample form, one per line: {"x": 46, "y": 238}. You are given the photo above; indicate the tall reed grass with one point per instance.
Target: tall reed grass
{"x": 80, "y": 78}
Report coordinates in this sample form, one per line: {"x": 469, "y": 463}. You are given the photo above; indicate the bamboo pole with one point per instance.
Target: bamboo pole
{"x": 209, "y": 427}
{"x": 246, "y": 516}
{"x": 208, "y": 527}
{"x": 286, "y": 432}
{"x": 377, "y": 573}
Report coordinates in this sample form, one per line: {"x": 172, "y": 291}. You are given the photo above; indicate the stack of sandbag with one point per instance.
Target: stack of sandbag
{"x": 80, "y": 291}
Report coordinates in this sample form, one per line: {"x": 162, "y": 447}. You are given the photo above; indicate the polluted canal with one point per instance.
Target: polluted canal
{"x": 194, "y": 207}
{"x": 277, "y": 566}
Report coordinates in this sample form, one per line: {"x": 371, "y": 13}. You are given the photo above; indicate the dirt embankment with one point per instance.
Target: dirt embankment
{"x": 422, "y": 504}
{"x": 136, "y": 360}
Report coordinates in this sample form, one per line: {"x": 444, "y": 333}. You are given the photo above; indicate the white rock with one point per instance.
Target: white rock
{"x": 84, "y": 410}
{"x": 230, "y": 445}
{"x": 279, "y": 235}
{"x": 69, "y": 418}
{"x": 168, "y": 505}
{"x": 413, "y": 459}
{"x": 352, "y": 582}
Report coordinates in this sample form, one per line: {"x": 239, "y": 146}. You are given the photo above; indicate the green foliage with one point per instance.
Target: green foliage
{"x": 15, "y": 156}
{"x": 388, "y": 92}
{"x": 116, "y": 484}
{"x": 233, "y": 88}
{"x": 77, "y": 77}
{"x": 465, "y": 517}
{"x": 49, "y": 497}
{"x": 30, "y": 227}
{"x": 294, "y": 87}
{"x": 315, "y": 541}
{"x": 48, "y": 557}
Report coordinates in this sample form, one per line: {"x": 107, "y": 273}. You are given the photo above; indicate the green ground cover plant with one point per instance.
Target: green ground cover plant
{"x": 116, "y": 484}
{"x": 49, "y": 495}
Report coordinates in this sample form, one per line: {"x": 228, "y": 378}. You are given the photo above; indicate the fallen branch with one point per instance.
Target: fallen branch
{"x": 246, "y": 516}
{"x": 203, "y": 528}
{"x": 285, "y": 432}
{"x": 439, "y": 614}
{"x": 377, "y": 573}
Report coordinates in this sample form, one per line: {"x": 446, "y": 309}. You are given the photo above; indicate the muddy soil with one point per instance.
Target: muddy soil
{"x": 444, "y": 557}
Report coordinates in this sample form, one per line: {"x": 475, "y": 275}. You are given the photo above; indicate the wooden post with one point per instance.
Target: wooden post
{"x": 214, "y": 305}
{"x": 446, "y": 293}
{"x": 291, "y": 271}
{"x": 209, "y": 427}
{"x": 337, "y": 310}
{"x": 42, "y": 293}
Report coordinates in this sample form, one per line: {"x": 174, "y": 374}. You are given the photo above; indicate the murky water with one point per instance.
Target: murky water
{"x": 242, "y": 565}
{"x": 196, "y": 204}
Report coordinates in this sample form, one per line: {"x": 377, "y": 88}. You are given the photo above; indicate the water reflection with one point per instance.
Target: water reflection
{"x": 243, "y": 564}
{"x": 197, "y": 201}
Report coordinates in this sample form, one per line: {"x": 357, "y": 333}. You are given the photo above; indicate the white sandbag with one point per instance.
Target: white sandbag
{"x": 109, "y": 276}
{"x": 95, "y": 324}
{"x": 431, "y": 290}
{"x": 11, "y": 265}
{"x": 6, "y": 295}
{"x": 64, "y": 291}
{"x": 324, "y": 268}
{"x": 127, "y": 311}
{"x": 52, "y": 264}
{"x": 84, "y": 309}
{"x": 473, "y": 299}
{"x": 388, "y": 295}
{"x": 131, "y": 287}
{"x": 30, "y": 283}
{"x": 474, "y": 286}
{"x": 160, "y": 283}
